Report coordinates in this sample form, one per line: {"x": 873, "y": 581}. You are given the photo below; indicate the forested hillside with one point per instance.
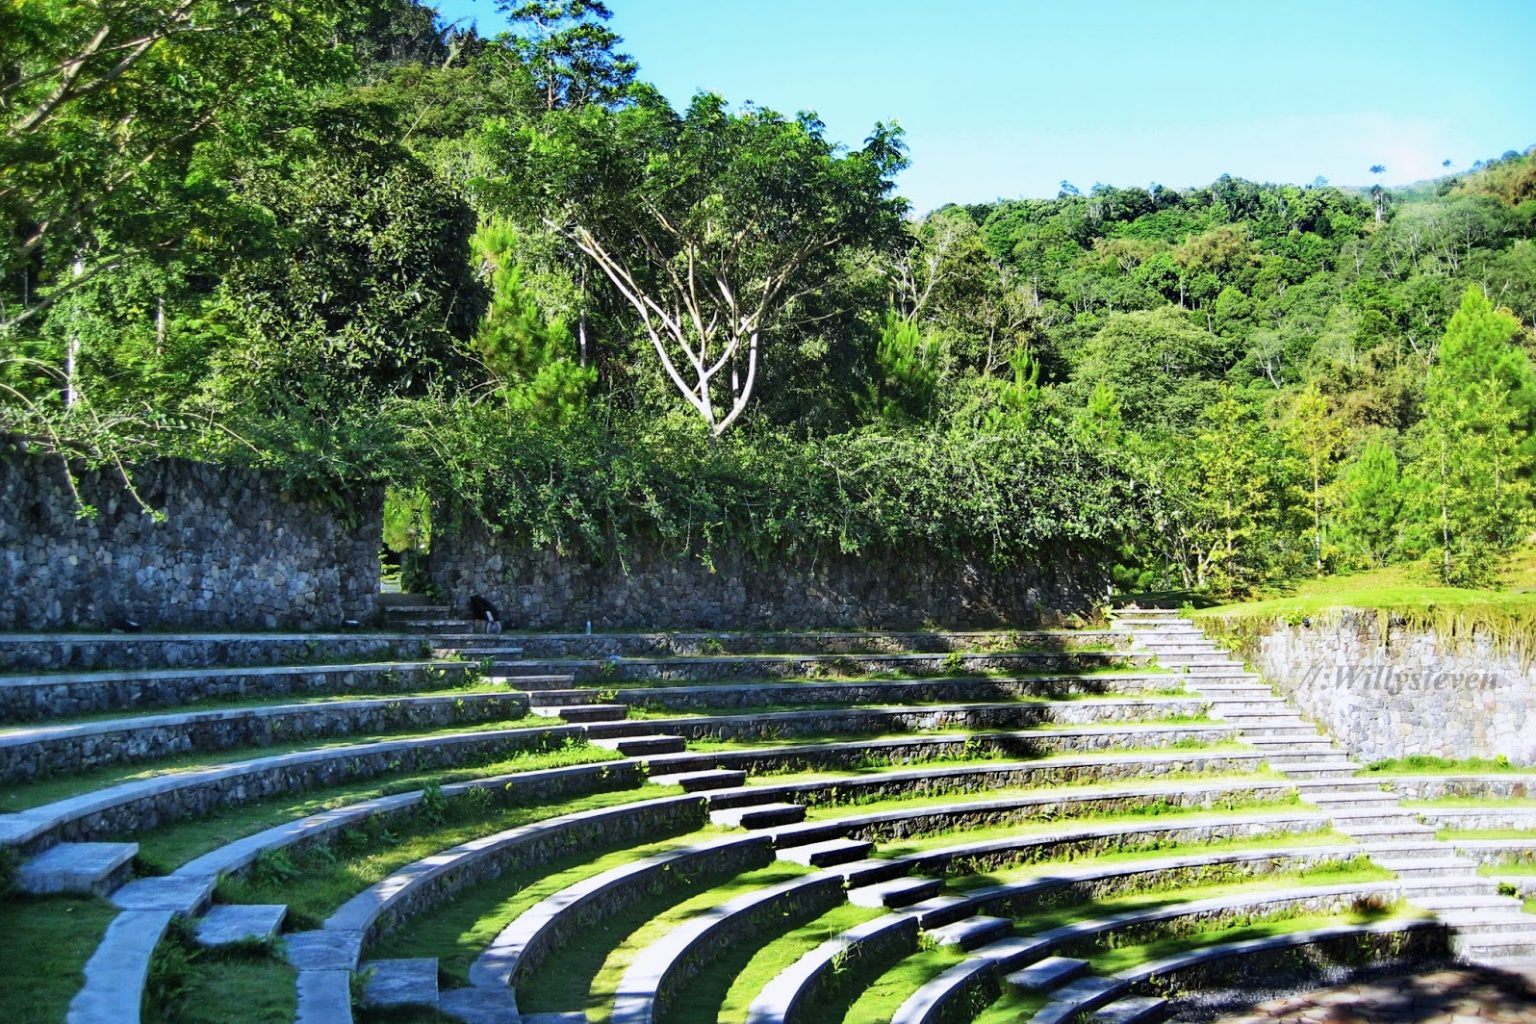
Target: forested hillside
{"x": 508, "y": 278}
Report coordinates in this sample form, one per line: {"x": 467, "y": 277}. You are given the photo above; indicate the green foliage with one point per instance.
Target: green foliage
{"x": 1471, "y": 476}
{"x": 907, "y": 372}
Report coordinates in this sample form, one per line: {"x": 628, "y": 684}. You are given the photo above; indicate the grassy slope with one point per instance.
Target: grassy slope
{"x": 1399, "y": 588}
{"x": 69, "y": 929}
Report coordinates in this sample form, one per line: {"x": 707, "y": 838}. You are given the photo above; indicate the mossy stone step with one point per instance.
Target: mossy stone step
{"x": 395, "y": 983}
{"x": 701, "y": 781}
{"x": 827, "y": 852}
{"x": 638, "y": 746}
{"x": 228, "y": 923}
{"x": 972, "y": 931}
{"x": 758, "y": 815}
{"x": 898, "y": 892}
{"x": 577, "y": 713}
{"x": 1047, "y": 974}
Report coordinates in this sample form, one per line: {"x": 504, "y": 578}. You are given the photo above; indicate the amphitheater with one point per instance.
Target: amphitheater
{"x": 424, "y": 823}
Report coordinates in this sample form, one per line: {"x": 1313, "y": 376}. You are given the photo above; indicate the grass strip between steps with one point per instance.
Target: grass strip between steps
{"x": 165, "y": 848}
{"x": 315, "y": 880}
{"x": 1428, "y": 764}
{"x": 775, "y": 956}
{"x": 887, "y": 765}
{"x": 1012, "y": 1006}
{"x": 244, "y": 983}
{"x": 707, "y": 990}
{"x": 1451, "y": 835}
{"x": 1262, "y": 927}
{"x": 885, "y": 993}
{"x": 889, "y": 676}
{"x": 961, "y": 732}
{"x": 44, "y": 944}
{"x": 22, "y": 796}
{"x": 1126, "y": 848}
{"x": 1470, "y": 803}
{"x": 836, "y": 805}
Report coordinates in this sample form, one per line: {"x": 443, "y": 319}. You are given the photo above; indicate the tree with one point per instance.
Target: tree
{"x": 104, "y": 105}
{"x": 569, "y": 50}
{"x": 1319, "y": 438}
{"x": 712, "y": 226}
{"x": 1370, "y": 504}
{"x": 1378, "y": 194}
{"x": 1472, "y": 471}
{"x": 1161, "y": 367}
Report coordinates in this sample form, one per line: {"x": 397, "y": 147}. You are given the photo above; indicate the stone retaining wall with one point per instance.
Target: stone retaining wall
{"x": 716, "y": 643}
{"x": 1395, "y": 692}
{"x": 42, "y": 753}
{"x": 79, "y": 652}
{"x": 541, "y": 589}
{"x": 64, "y": 695}
{"x": 234, "y": 551}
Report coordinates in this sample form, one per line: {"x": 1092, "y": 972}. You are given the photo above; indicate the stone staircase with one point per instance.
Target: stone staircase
{"x": 1488, "y": 928}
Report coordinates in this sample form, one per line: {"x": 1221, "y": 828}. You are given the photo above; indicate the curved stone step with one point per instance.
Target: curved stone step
{"x": 26, "y": 753}
{"x": 116, "y": 973}
{"x": 897, "y": 892}
{"x": 701, "y": 781}
{"x": 971, "y": 932}
{"x": 764, "y": 815}
{"x": 63, "y": 694}
{"x": 1051, "y": 972}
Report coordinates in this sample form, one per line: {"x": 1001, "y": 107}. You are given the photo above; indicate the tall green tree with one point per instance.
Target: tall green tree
{"x": 715, "y": 227}
{"x": 570, "y": 50}
{"x": 1472, "y": 473}
{"x": 1371, "y": 495}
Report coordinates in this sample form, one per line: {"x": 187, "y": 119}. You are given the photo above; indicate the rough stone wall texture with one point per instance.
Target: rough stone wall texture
{"x": 1404, "y": 692}
{"x": 233, "y": 551}
{"x": 540, "y": 589}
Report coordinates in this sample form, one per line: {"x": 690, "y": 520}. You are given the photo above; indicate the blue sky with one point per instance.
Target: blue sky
{"x": 1005, "y": 99}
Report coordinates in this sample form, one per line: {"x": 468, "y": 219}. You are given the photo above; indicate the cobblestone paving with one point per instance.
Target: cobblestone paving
{"x": 1467, "y": 996}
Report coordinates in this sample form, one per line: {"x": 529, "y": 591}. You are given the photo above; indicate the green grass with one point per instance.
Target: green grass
{"x": 316, "y": 880}
{"x": 1334, "y": 872}
{"x": 1012, "y": 1006}
{"x": 700, "y": 1003}
{"x": 886, "y": 992}
{"x": 45, "y": 791}
{"x": 1132, "y": 672}
{"x": 844, "y": 737}
{"x": 833, "y": 807}
{"x": 1451, "y": 834}
{"x": 165, "y": 848}
{"x": 44, "y": 944}
{"x": 1118, "y": 959}
{"x": 775, "y": 956}
{"x": 1470, "y": 802}
{"x": 1508, "y": 868}
{"x": 884, "y": 766}
{"x": 1426, "y": 764}
{"x": 252, "y": 986}
{"x": 1133, "y": 849}
{"x": 458, "y": 931}
{"x": 1398, "y": 587}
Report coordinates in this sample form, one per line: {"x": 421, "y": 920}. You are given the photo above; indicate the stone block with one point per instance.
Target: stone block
{"x": 92, "y": 869}
{"x": 229, "y": 922}
{"x": 410, "y": 982}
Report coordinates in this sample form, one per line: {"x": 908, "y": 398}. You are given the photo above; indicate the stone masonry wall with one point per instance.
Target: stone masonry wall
{"x": 1405, "y": 692}
{"x": 233, "y": 552}
{"x": 540, "y": 589}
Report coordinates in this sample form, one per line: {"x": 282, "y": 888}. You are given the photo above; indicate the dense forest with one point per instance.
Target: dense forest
{"x": 505, "y": 277}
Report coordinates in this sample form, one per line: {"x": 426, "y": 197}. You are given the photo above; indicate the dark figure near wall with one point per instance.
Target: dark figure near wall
{"x": 485, "y": 613}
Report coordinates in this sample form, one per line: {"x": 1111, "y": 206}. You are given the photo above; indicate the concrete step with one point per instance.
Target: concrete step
{"x": 639, "y": 746}
{"x": 826, "y": 852}
{"x": 1416, "y": 889}
{"x": 897, "y": 892}
{"x": 393, "y": 983}
{"x": 700, "y": 781}
{"x": 227, "y": 923}
{"x": 1487, "y": 922}
{"x": 578, "y": 713}
{"x": 1427, "y": 867}
{"x": 87, "y": 869}
{"x": 938, "y": 911}
{"x": 867, "y": 872}
{"x": 1346, "y": 816}
{"x": 1496, "y": 945}
{"x": 758, "y": 816}
{"x": 1047, "y": 974}
{"x": 1133, "y": 1010}
{"x": 1486, "y": 902}
{"x": 972, "y": 931}
{"x": 1367, "y": 834}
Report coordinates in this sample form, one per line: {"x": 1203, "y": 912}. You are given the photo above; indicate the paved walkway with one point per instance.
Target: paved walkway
{"x": 1463, "y": 996}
